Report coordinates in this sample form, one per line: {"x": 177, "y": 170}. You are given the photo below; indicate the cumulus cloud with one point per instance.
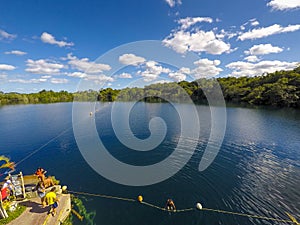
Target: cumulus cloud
{"x": 263, "y": 49}
{"x": 86, "y": 66}
{"x": 222, "y": 34}
{"x": 184, "y": 70}
{"x": 190, "y": 21}
{"x": 172, "y": 3}
{"x": 77, "y": 74}
{"x": 152, "y": 71}
{"x": 59, "y": 80}
{"x": 284, "y": 4}
{"x": 99, "y": 79}
{"x": 7, "y": 36}
{"x": 131, "y": 59}
{"x": 125, "y": 75}
{"x": 177, "y": 76}
{"x": 197, "y": 41}
{"x": 256, "y": 69}
{"x": 267, "y": 31}
{"x": 6, "y": 67}
{"x": 96, "y": 78}
{"x": 15, "y": 52}
{"x": 206, "y": 68}
{"x": 43, "y": 66}
{"x": 252, "y": 58}
{"x": 180, "y": 74}
{"x": 50, "y": 39}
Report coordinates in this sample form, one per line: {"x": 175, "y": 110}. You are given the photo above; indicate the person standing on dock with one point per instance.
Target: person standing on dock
{"x": 52, "y": 201}
{"x": 8, "y": 187}
{"x": 41, "y": 191}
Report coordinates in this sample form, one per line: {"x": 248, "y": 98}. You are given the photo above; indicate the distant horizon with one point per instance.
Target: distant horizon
{"x": 48, "y": 46}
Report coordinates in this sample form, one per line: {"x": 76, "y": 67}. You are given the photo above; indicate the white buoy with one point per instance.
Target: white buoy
{"x": 198, "y": 206}
{"x": 64, "y": 188}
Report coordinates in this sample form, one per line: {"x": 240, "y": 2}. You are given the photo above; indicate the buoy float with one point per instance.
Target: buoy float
{"x": 198, "y": 206}
{"x": 140, "y": 198}
{"x": 64, "y": 188}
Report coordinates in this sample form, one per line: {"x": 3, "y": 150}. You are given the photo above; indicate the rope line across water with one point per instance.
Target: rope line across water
{"x": 185, "y": 210}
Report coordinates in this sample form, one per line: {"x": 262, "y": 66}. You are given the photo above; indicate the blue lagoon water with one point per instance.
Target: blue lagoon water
{"x": 257, "y": 170}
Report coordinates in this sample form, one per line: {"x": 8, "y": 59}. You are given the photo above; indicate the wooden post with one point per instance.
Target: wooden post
{"x": 23, "y": 186}
{"x": 3, "y": 212}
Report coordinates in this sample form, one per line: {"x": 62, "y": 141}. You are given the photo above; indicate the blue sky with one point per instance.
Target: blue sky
{"x": 54, "y": 44}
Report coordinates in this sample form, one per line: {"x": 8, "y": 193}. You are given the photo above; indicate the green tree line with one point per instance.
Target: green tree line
{"x": 281, "y": 89}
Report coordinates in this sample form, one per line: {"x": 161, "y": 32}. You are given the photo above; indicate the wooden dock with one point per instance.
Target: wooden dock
{"x": 35, "y": 214}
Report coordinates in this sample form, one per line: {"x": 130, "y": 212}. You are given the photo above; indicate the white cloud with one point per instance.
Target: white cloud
{"x": 180, "y": 74}
{"x": 6, "y": 67}
{"x": 15, "y": 52}
{"x": 256, "y": 69}
{"x": 5, "y": 35}
{"x": 162, "y": 81}
{"x": 50, "y": 39}
{"x": 177, "y": 76}
{"x": 189, "y": 21}
{"x": 30, "y": 81}
{"x": 46, "y": 77}
{"x": 224, "y": 34}
{"x": 152, "y": 71}
{"x": 254, "y": 23}
{"x": 125, "y": 75}
{"x": 172, "y": 3}
{"x": 263, "y": 49}
{"x": 206, "y": 68}
{"x": 59, "y": 81}
{"x": 284, "y": 4}
{"x": 267, "y": 31}
{"x": 184, "y": 70}
{"x": 197, "y": 41}
{"x": 99, "y": 79}
{"x": 86, "y": 66}
{"x": 77, "y": 74}
{"x": 43, "y": 66}
{"x": 252, "y": 58}
{"x": 131, "y": 59}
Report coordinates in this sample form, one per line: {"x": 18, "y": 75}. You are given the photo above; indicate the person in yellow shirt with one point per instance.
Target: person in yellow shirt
{"x": 52, "y": 201}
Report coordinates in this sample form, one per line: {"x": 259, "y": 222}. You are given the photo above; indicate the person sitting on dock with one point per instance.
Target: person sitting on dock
{"x": 40, "y": 172}
{"x": 52, "y": 201}
{"x": 170, "y": 206}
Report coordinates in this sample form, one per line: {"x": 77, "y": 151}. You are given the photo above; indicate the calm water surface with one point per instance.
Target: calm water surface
{"x": 257, "y": 170}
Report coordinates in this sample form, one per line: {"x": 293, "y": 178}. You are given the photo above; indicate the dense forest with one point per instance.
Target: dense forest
{"x": 281, "y": 89}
